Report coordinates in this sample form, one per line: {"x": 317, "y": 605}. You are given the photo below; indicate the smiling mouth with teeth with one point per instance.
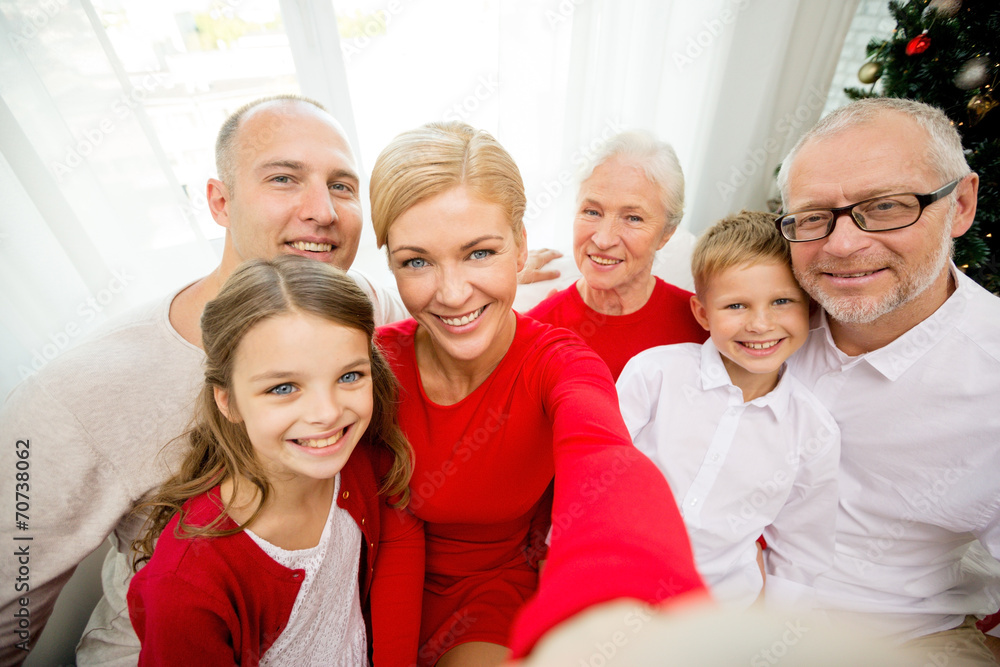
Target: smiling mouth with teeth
{"x": 322, "y": 442}
{"x": 764, "y": 345}
{"x": 604, "y": 261}
{"x": 312, "y": 247}
{"x": 460, "y": 321}
{"x": 853, "y": 275}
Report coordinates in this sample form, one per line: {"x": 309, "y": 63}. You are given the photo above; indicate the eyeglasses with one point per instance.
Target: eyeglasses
{"x": 879, "y": 214}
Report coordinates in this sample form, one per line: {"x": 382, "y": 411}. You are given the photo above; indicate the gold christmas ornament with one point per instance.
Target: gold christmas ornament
{"x": 973, "y": 73}
{"x": 870, "y": 72}
{"x": 979, "y": 106}
{"x": 943, "y": 8}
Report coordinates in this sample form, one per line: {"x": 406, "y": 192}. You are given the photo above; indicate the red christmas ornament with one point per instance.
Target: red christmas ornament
{"x": 918, "y": 44}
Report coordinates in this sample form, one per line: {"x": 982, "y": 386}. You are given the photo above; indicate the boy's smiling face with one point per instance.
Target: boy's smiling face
{"x": 757, "y": 316}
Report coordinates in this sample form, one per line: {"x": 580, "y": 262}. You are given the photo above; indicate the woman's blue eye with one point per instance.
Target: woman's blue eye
{"x": 415, "y": 263}
{"x": 348, "y": 378}
{"x": 634, "y": 218}
{"x": 281, "y": 389}
{"x": 481, "y": 254}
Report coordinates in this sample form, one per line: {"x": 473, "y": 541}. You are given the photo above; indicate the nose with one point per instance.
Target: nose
{"x": 454, "y": 289}
{"x": 759, "y": 320}
{"x": 605, "y": 233}
{"x": 316, "y": 204}
{"x": 323, "y": 407}
{"x": 846, "y": 238}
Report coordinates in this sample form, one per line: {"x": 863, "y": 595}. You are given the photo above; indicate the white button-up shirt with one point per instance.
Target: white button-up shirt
{"x": 920, "y": 467}
{"x": 737, "y": 469}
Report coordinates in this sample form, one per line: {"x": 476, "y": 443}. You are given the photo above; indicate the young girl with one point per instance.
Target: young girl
{"x": 283, "y": 536}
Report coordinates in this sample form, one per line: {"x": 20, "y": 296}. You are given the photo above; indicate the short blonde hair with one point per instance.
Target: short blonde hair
{"x": 435, "y": 158}
{"x": 748, "y": 237}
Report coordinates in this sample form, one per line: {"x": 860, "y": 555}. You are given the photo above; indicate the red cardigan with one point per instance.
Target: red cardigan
{"x": 223, "y": 601}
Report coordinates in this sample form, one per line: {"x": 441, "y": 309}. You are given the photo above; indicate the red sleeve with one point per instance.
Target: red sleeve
{"x": 397, "y": 588}
{"x": 179, "y": 624}
{"x": 616, "y": 529}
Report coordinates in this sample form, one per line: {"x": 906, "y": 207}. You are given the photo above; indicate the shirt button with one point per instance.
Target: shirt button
{"x": 715, "y": 457}
{"x": 362, "y": 521}
{"x": 371, "y": 544}
{"x": 346, "y": 494}
{"x": 694, "y": 501}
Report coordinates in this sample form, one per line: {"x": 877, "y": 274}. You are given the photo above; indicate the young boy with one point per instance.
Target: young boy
{"x": 746, "y": 448}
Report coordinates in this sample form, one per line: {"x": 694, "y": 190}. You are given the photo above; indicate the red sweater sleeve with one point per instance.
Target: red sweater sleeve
{"x": 616, "y": 529}
{"x": 397, "y": 588}
{"x": 178, "y": 624}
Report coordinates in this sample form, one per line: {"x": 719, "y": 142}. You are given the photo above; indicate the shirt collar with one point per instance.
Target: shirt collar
{"x": 898, "y": 356}
{"x": 714, "y": 375}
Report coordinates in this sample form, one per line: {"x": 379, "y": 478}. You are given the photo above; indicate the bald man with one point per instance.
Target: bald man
{"x": 100, "y": 421}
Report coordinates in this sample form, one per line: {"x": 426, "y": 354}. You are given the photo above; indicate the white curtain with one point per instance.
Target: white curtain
{"x": 93, "y": 220}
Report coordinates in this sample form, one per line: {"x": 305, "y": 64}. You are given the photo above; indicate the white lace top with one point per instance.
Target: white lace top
{"x": 325, "y": 627}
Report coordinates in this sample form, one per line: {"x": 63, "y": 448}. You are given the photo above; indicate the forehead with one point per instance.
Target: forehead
{"x": 450, "y": 218}
{"x": 885, "y": 155}
{"x": 295, "y": 131}
{"x": 619, "y": 180}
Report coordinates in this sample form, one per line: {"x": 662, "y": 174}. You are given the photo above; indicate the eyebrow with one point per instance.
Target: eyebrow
{"x": 295, "y": 165}
{"x": 465, "y": 246}
{"x": 284, "y": 375}
{"x": 863, "y": 196}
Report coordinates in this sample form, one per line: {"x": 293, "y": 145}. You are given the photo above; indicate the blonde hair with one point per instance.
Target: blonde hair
{"x": 219, "y": 448}
{"x": 435, "y": 158}
{"x": 748, "y": 237}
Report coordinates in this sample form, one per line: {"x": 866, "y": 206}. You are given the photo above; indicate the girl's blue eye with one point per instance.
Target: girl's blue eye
{"x": 415, "y": 263}
{"x": 348, "y": 378}
{"x": 281, "y": 389}
{"x": 481, "y": 254}
{"x": 782, "y": 301}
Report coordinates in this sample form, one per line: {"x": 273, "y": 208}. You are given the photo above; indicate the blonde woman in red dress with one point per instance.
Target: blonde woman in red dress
{"x": 498, "y": 406}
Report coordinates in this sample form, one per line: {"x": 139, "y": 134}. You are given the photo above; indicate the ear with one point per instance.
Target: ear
{"x": 699, "y": 312}
{"x": 966, "y": 196}
{"x": 222, "y": 401}
{"x": 522, "y": 251}
{"x": 218, "y": 201}
{"x": 666, "y": 237}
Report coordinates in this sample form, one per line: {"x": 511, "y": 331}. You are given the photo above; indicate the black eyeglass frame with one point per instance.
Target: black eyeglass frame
{"x": 924, "y": 200}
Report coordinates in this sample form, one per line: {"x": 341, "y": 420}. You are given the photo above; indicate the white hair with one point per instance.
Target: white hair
{"x": 944, "y": 153}
{"x": 657, "y": 160}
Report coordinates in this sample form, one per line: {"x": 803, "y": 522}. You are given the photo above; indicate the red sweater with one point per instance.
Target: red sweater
{"x": 665, "y": 319}
{"x": 223, "y": 601}
{"x": 549, "y": 410}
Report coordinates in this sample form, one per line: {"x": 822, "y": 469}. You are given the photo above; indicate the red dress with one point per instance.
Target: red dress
{"x": 664, "y": 320}
{"x": 482, "y": 468}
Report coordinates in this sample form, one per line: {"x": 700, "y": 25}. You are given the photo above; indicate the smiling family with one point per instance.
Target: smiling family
{"x": 294, "y": 486}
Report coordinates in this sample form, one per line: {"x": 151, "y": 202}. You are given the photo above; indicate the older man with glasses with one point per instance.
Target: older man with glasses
{"x": 906, "y": 355}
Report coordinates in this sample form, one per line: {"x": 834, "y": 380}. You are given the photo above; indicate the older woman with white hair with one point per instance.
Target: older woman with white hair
{"x": 630, "y": 202}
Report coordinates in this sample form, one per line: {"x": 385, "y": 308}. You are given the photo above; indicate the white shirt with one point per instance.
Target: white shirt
{"x": 738, "y": 469}
{"x": 325, "y": 626}
{"x": 920, "y": 467}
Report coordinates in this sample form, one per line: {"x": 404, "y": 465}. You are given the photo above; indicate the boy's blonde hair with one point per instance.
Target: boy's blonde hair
{"x": 748, "y": 237}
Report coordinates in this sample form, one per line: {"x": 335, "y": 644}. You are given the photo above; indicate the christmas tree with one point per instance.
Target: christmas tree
{"x": 946, "y": 53}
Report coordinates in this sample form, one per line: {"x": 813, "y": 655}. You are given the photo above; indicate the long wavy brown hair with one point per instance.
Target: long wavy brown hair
{"x": 221, "y": 449}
